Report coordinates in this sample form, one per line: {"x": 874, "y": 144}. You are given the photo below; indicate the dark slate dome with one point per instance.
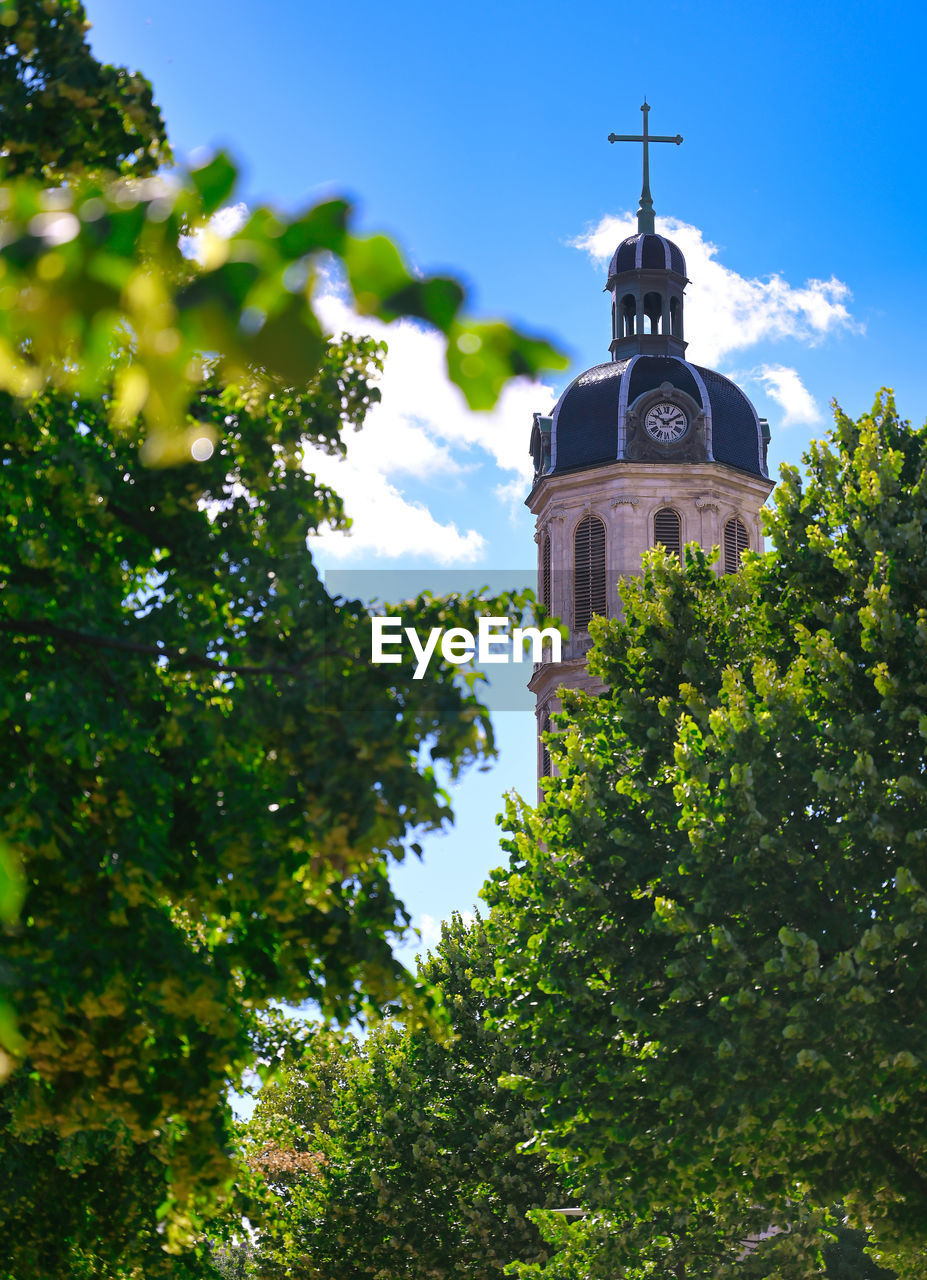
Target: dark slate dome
{"x": 645, "y": 252}
{"x": 588, "y": 427}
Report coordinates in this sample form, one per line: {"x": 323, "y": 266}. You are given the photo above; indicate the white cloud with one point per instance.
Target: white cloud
{"x": 512, "y": 492}
{"x": 223, "y": 224}
{"x": 430, "y": 929}
{"x": 421, "y": 429}
{"x": 385, "y": 523}
{"x": 229, "y": 219}
{"x": 726, "y": 311}
{"x": 785, "y": 387}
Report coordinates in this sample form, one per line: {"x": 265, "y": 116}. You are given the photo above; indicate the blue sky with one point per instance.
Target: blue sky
{"x": 477, "y": 136}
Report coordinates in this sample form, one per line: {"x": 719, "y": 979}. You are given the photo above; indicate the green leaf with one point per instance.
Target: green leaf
{"x": 483, "y": 355}
{"x": 289, "y": 342}
{"x": 376, "y": 271}
{"x": 215, "y": 182}
{"x": 323, "y": 227}
{"x": 436, "y": 300}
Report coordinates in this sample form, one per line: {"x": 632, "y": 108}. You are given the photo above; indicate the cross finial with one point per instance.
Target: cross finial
{"x": 645, "y": 212}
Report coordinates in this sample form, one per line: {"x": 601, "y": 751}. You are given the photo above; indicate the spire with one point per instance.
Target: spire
{"x": 645, "y": 221}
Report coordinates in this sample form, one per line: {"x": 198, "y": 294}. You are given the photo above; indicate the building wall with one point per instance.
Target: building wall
{"x": 626, "y": 496}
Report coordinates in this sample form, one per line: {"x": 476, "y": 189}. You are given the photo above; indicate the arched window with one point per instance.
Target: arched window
{"x": 667, "y": 530}
{"x": 735, "y": 544}
{"x": 545, "y": 572}
{"x": 544, "y": 727}
{"x": 589, "y": 582}
{"x": 628, "y": 312}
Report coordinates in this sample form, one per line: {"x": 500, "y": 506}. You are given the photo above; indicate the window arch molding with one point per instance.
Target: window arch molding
{"x": 589, "y": 544}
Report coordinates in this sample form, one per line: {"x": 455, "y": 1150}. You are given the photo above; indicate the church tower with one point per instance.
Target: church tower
{"x": 644, "y": 449}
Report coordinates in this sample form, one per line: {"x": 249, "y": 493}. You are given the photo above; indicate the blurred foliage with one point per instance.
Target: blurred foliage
{"x": 715, "y": 919}
{"x": 127, "y": 283}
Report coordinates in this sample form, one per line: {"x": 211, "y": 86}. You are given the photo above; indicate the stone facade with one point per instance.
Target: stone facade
{"x": 626, "y": 497}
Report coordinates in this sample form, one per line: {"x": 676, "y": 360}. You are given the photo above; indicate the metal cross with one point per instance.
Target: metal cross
{"x": 645, "y": 212}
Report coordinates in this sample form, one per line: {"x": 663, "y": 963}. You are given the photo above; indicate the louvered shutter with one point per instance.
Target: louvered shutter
{"x": 545, "y": 752}
{"x": 735, "y": 544}
{"x": 667, "y": 531}
{"x": 545, "y": 572}
{"x": 589, "y": 594}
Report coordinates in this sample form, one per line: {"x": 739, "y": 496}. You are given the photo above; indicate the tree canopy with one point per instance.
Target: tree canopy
{"x": 205, "y": 779}
{"x": 403, "y": 1156}
{"x": 715, "y": 917}
{"x": 205, "y": 776}
{"x": 400, "y": 1156}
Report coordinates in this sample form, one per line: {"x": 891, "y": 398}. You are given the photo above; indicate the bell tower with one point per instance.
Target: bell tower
{"x": 645, "y": 449}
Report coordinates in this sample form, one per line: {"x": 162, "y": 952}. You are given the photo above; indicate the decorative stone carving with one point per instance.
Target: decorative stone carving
{"x": 641, "y": 447}
{"x": 707, "y": 503}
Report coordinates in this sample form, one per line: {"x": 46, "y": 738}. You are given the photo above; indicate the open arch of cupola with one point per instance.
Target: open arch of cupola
{"x": 653, "y": 312}
{"x": 675, "y": 315}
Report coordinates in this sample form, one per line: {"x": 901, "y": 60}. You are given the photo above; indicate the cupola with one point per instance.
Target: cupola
{"x": 646, "y": 280}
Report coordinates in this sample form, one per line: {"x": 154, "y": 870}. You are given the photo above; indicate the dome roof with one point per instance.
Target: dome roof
{"x": 646, "y": 251}
{"x": 588, "y": 427}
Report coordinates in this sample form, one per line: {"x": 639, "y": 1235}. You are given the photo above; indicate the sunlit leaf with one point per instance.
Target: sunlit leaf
{"x": 215, "y": 182}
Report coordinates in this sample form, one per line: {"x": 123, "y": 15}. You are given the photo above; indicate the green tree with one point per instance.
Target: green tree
{"x": 404, "y": 1157}
{"x": 205, "y": 780}
{"x": 716, "y": 915}
{"x": 410, "y": 1150}
{"x": 205, "y": 776}
{"x": 61, "y": 111}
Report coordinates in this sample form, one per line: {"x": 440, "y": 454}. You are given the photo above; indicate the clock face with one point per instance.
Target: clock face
{"x": 665, "y": 422}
